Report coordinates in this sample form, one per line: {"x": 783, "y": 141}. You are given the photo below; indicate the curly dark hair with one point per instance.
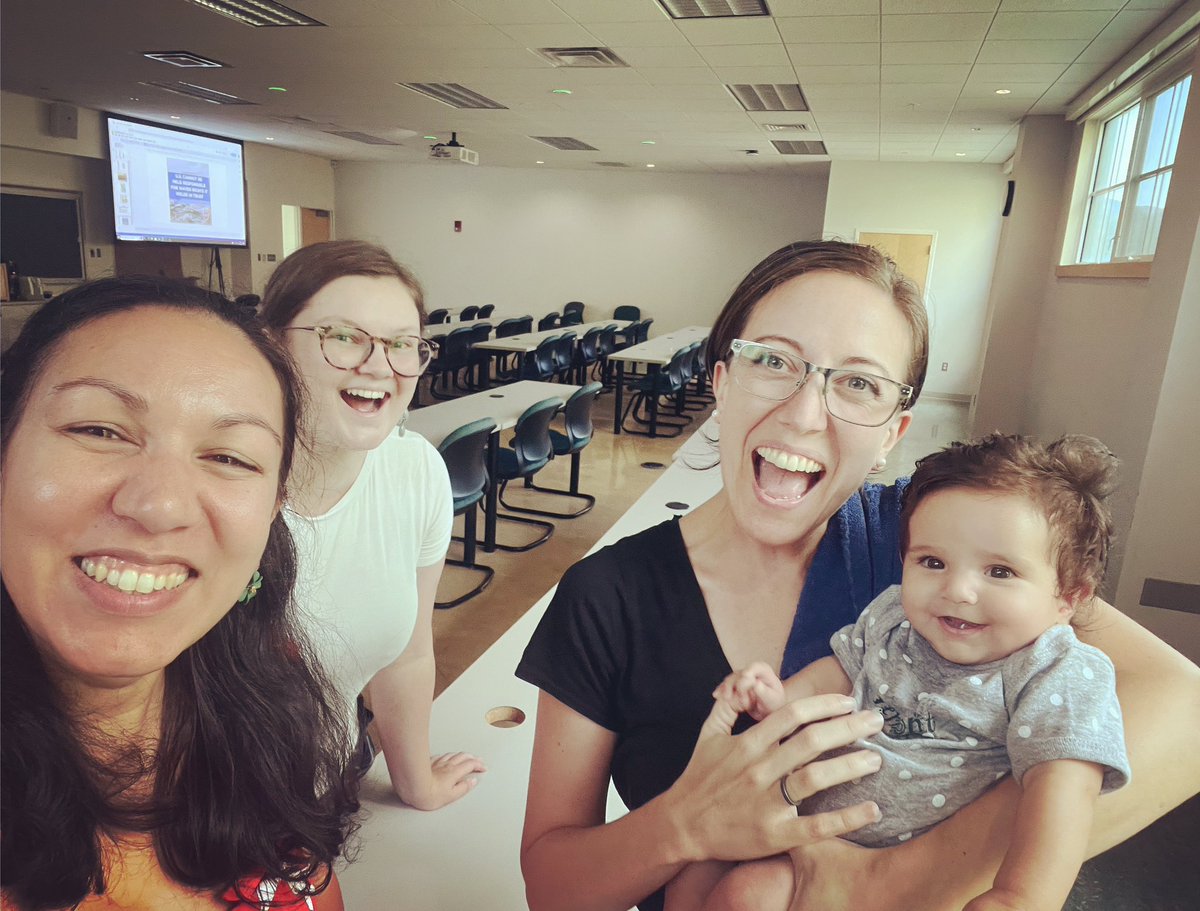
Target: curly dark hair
{"x": 251, "y": 771}
{"x": 1069, "y": 480}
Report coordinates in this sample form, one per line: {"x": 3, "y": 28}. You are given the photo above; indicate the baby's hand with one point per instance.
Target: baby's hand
{"x": 996, "y": 900}
{"x": 757, "y": 690}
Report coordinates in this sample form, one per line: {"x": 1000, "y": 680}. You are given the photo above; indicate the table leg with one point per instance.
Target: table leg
{"x": 652, "y": 374}
{"x": 491, "y": 500}
{"x": 620, "y": 393}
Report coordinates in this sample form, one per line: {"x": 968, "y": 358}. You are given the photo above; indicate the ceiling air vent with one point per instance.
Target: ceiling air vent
{"x": 257, "y": 13}
{"x": 362, "y": 137}
{"x": 199, "y": 92}
{"x": 581, "y": 56}
{"x": 612, "y": 164}
{"x": 784, "y": 147}
{"x": 453, "y": 94}
{"x": 182, "y": 58}
{"x": 769, "y": 97}
{"x": 786, "y": 127}
{"x": 713, "y": 9}
{"x": 565, "y": 143}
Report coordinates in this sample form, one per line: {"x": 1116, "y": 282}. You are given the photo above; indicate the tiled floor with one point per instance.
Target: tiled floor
{"x": 612, "y": 470}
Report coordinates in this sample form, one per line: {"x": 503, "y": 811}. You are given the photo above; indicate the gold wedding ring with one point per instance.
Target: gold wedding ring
{"x": 784, "y": 791}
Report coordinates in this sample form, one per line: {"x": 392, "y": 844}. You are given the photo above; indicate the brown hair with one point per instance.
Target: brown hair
{"x": 802, "y": 257}
{"x": 1070, "y": 480}
{"x": 311, "y": 268}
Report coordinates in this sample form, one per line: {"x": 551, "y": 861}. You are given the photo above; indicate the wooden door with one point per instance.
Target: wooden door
{"x": 314, "y": 226}
{"x": 912, "y": 252}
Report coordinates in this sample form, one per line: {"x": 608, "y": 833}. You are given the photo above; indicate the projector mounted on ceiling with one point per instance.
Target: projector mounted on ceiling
{"x": 453, "y": 151}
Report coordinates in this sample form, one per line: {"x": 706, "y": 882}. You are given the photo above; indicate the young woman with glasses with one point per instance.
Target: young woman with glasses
{"x": 371, "y": 509}
{"x": 818, "y": 358}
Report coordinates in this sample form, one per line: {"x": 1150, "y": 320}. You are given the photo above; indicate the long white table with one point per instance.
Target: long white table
{"x": 433, "y": 329}
{"x": 528, "y": 341}
{"x": 466, "y": 855}
{"x": 656, "y": 353}
{"x": 503, "y": 405}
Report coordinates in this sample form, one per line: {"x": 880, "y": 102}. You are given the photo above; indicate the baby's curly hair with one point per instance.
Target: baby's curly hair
{"x": 1070, "y": 480}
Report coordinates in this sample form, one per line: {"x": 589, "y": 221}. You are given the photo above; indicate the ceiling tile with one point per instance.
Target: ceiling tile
{"x": 902, "y": 73}
{"x": 891, "y": 7}
{"x": 678, "y": 75}
{"x": 1131, "y": 25}
{"x": 844, "y": 29}
{"x": 1035, "y": 6}
{"x": 920, "y": 91}
{"x": 827, "y": 75}
{"x": 534, "y": 36}
{"x": 1007, "y": 73}
{"x": 833, "y": 54}
{"x": 745, "y": 55}
{"x": 588, "y": 11}
{"x": 734, "y": 30}
{"x": 425, "y": 12}
{"x": 1084, "y": 72}
{"x": 930, "y": 51}
{"x": 941, "y": 27}
{"x": 1104, "y": 50}
{"x": 679, "y": 56}
{"x": 786, "y": 8}
{"x": 851, "y": 91}
{"x": 1062, "y": 51}
{"x": 755, "y": 75}
{"x": 515, "y": 12}
{"x": 637, "y": 34}
{"x": 1049, "y": 25}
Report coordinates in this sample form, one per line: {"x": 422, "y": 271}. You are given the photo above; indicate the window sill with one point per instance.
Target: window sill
{"x": 1105, "y": 270}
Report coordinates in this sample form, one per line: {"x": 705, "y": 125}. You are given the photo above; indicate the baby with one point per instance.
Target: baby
{"x": 974, "y": 665}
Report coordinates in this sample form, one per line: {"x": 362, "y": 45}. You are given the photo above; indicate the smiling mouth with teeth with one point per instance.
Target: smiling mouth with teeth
{"x": 784, "y": 475}
{"x": 959, "y": 624}
{"x": 366, "y": 401}
{"x": 127, "y": 579}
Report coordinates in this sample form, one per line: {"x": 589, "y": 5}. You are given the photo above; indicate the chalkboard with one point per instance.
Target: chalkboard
{"x": 41, "y": 235}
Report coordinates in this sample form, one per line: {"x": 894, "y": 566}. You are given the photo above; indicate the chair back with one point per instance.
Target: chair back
{"x": 513, "y": 326}
{"x": 577, "y": 415}
{"x": 573, "y": 307}
{"x": 458, "y": 343}
{"x": 549, "y": 321}
{"x": 486, "y": 310}
{"x": 589, "y": 345}
{"x": 540, "y": 363}
{"x": 643, "y": 331}
{"x": 531, "y": 440}
{"x": 464, "y": 452}
{"x": 627, "y": 311}
{"x": 437, "y": 316}
{"x": 468, "y": 313}
{"x": 438, "y": 359}
{"x": 677, "y": 368}
{"x": 574, "y": 318}
{"x": 564, "y": 351}
{"x": 608, "y": 341}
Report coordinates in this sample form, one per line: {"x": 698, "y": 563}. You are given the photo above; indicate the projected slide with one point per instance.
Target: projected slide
{"x": 176, "y": 187}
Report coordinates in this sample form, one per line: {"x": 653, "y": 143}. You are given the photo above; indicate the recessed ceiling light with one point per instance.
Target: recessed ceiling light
{"x": 560, "y": 92}
{"x": 539, "y": 162}
{"x": 648, "y": 142}
{"x": 649, "y": 165}
{"x": 276, "y": 88}
{"x": 269, "y": 138}
{"x": 257, "y": 12}
{"x": 1003, "y": 91}
{"x": 960, "y": 154}
{"x": 132, "y": 98}
{"x": 175, "y": 117}
{"x": 976, "y": 129}
{"x": 434, "y": 138}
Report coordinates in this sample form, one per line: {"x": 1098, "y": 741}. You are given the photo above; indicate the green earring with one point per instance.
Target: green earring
{"x": 251, "y": 588}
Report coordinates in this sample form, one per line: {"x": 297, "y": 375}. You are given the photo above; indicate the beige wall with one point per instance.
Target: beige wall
{"x": 1092, "y": 355}
{"x": 960, "y": 205}
{"x": 674, "y": 244}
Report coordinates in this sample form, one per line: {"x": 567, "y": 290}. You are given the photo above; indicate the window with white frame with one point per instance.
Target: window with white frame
{"x": 1132, "y": 177}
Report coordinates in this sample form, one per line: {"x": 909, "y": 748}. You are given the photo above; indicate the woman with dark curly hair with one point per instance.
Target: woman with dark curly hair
{"x": 167, "y": 741}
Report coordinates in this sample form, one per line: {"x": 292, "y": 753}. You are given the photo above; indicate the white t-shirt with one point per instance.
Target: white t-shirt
{"x": 356, "y": 584}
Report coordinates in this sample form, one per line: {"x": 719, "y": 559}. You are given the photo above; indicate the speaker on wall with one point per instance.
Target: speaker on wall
{"x": 64, "y": 120}
{"x": 1008, "y": 200}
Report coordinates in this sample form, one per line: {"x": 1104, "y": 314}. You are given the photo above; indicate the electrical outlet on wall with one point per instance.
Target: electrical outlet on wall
{"x": 945, "y": 366}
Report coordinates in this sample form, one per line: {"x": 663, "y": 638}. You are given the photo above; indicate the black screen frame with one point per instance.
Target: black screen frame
{"x": 110, "y": 116}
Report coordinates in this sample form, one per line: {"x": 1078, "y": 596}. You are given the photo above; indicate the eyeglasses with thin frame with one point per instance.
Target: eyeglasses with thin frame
{"x": 853, "y": 396}
{"x": 348, "y": 348}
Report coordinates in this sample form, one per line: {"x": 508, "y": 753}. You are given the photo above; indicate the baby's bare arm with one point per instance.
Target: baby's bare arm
{"x": 1050, "y": 837}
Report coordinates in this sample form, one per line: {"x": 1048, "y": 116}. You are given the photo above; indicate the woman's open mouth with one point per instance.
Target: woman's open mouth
{"x": 784, "y": 477}
{"x": 365, "y": 401}
{"x": 129, "y": 578}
